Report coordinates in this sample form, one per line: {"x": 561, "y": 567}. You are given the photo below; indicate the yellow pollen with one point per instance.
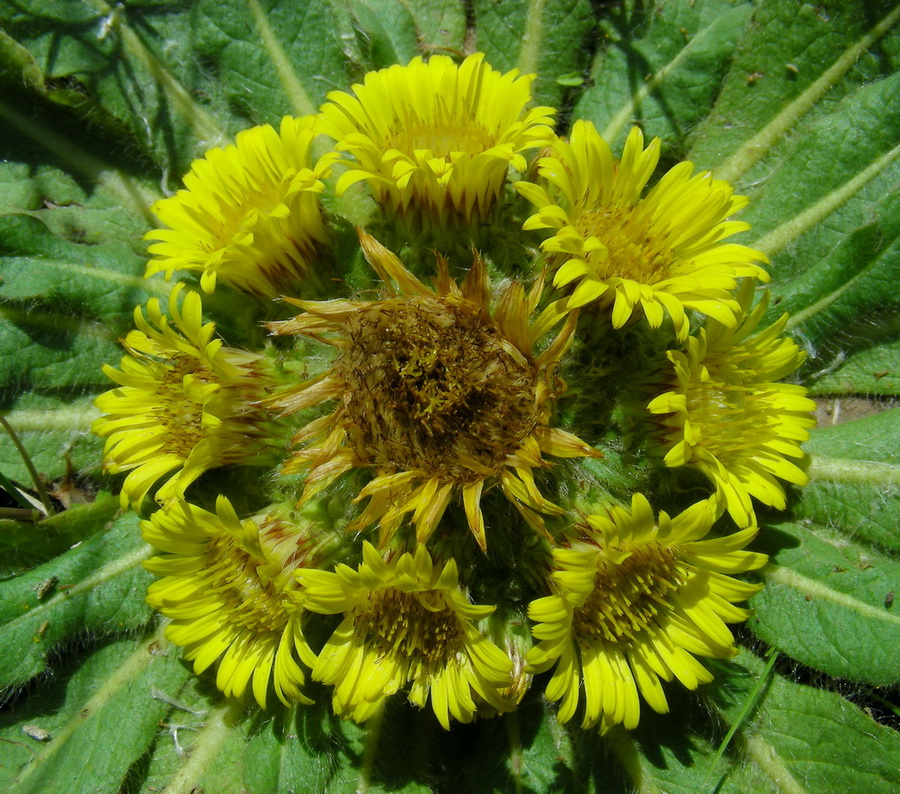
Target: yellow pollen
{"x": 635, "y": 249}
{"x": 742, "y": 409}
{"x": 445, "y": 137}
{"x": 400, "y": 624}
{"x": 231, "y": 574}
{"x": 238, "y": 218}
{"x": 182, "y": 417}
{"x": 627, "y": 596}
{"x": 431, "y": 384}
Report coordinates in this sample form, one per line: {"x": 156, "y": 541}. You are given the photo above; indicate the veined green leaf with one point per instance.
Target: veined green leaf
{"x": 387, "y": 32}
{"x": 104, "y": 63}
{"x": 855, "y": 479}
{"x": 271, "y": 59}
{"x": 807, "y": 739}
{"x": 542, "y": 37}
{"x": 791, "y": 67}
{"x": 840, "y": 169}
{"x": 825, "y": 603}
{"x": 26, "y": 543}
{"x": 871, "y": 371}
{"x": 56, "y": 433}
{"x": 68, "y": 210}
{"x": 661, "y": 67}
{"x": 114, "y": 708}
{"x": 95, "y": 588}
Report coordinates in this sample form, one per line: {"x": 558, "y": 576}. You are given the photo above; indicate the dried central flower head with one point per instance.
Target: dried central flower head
{"x": 432, "y": 386}
{"x": 436, "y": 394}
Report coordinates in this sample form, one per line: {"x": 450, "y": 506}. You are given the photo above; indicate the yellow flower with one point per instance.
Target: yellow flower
{"x": 184, "y": 403}
{"x": 434, "y": 393}
{"x": 651, "y": 255}
{"x": 726, "y": 416}
{"x": 434, "y": 139}
{"x": 226, "y": 586}
{"x": 632, "y": 603}
{"x": 250, "y": 213}
{"x": 405, "y": 621}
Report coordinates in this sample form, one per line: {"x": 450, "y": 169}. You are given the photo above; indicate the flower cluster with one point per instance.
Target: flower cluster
{"x": 437, "y": 408}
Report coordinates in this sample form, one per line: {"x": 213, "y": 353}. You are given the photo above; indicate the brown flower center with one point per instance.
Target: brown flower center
{"x": 627, "y": 596}
{"x": 399, "y": 623}
{"x": 432, "y": 385}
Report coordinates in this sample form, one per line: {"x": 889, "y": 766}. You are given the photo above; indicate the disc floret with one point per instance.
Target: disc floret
{"x": 434, "y": 139}
{"x": 249, "y": 214}
{"x": 727, "y": 416}
{"x": 227, "y": 594}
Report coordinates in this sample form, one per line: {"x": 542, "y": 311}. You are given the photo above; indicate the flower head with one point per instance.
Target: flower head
{"x": 726, "y": 416}
{"x": 405, "y": 621}
{"x": 651, "y": 255}
{"x": 249, "y": 214}
{"x": 435, "y": 393}
{"x": 184, "y": 404}
{"x": 434, "y": 139}
{"x": 225, "y": 585}
{"x": 632, "y": 603}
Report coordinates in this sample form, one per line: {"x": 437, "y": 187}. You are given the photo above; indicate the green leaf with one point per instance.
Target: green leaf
{"x": 105, "y": 281}
{"x": 661, "y": 67}
{"x": 871, "y": 371}
{"x": 63, "y": 308}
{"x": 836, "y": 256}
{"x": 102, "y": 63}
{"x": 25, "y": 544}
{"x": 841, "y": 168}
{"x": 825, "y": 603}
{"x": 386, "y": 30}
{"x": 292, "y": 750}
{"x": 98, "y": 718}
{"x": 56, "y": 434}
{"x": 776, "y": 82}
{"x": 89, "y": 589}
{"x": 797, "y": 738}
{"x": 855, "y": 479}
{"x": 68, "y": 208}
{"x": 808, "y": 739}
{"x": 272, "y": 58}
{"x": 542, "y": 37}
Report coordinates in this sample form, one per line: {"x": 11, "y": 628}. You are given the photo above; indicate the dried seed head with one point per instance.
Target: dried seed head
{"x": 432, "y": 385}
